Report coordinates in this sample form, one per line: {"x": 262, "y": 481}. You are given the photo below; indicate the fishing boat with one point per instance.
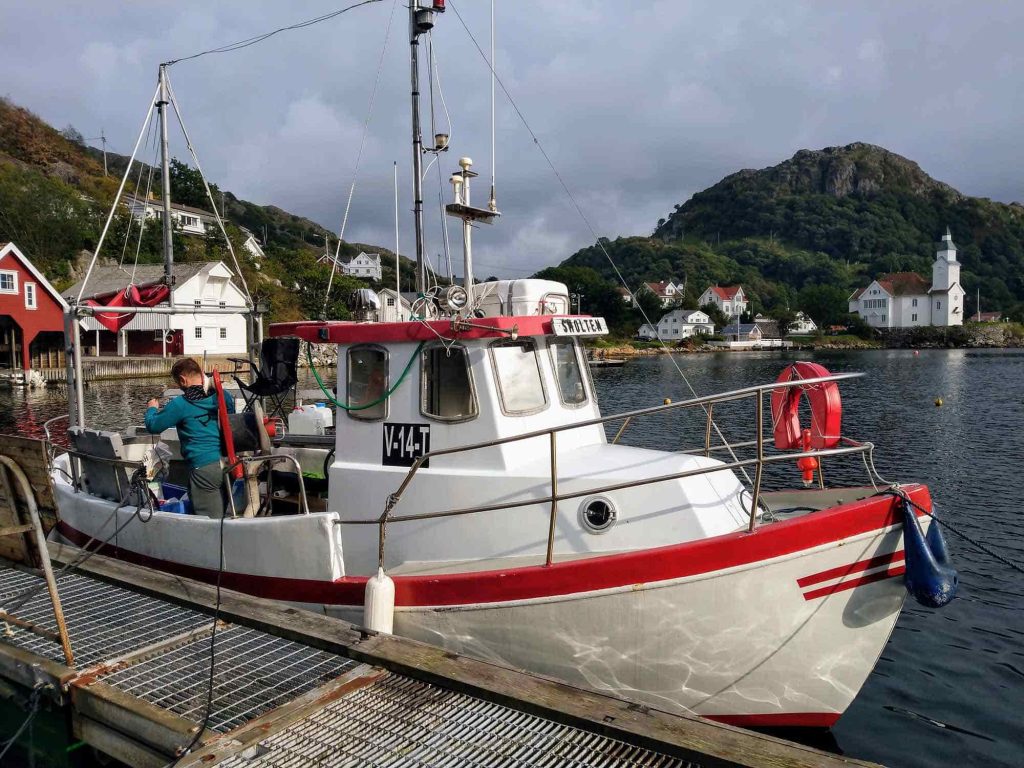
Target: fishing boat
{"x": 479, "y": 500}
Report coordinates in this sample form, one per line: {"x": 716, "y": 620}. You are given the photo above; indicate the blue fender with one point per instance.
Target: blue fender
{"x": 930, "y": 576}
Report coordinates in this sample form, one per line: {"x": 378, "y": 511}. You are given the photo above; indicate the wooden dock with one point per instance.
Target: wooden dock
{"x": 292, "y": 687}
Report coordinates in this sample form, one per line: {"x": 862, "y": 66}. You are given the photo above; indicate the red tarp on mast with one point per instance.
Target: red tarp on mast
{"x": 132, "y": 296}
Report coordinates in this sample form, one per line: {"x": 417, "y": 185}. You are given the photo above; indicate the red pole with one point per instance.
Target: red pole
{"x": 225, "y": 427}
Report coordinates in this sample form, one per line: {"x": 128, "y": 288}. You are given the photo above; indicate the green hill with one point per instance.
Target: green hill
{"x": 54, "y": 199}
{"x": 835, "y": 218}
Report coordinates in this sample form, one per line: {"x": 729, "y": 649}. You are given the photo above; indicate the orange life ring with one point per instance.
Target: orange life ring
{"x": 825, "y": 404}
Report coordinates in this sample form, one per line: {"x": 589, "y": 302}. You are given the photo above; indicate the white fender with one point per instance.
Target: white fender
{"x": 379, "y": 603}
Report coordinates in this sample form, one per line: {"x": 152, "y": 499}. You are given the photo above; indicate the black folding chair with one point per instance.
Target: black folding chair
{"x": 277, "y": 373}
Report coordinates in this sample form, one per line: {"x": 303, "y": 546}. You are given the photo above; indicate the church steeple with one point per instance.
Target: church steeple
{"x": 947, "y": 248}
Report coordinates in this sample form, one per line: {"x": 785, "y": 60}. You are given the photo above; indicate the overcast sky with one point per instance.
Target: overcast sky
{"x": 638, "y": 104}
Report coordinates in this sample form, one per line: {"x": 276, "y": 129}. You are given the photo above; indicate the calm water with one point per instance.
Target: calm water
{"x": 949, "y": 688}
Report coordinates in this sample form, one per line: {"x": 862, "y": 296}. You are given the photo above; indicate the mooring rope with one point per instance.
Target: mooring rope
{"x": 901, "y": 494}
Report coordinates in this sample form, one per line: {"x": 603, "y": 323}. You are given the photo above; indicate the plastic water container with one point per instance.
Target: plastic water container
{"x": 326, "y": 413}
{"x": 175, "y": 499}
{"x": 305, "y": 420}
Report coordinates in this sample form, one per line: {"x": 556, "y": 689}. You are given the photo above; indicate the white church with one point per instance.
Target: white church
{"x": 905, "y": 300}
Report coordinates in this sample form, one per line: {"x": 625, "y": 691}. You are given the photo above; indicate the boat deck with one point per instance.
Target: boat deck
{"x": 293, "y": 688}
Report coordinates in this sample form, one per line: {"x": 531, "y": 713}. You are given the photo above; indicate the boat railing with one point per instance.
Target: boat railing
{"x": 707, "y": 403}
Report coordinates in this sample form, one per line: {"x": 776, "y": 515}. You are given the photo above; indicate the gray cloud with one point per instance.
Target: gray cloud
{"x": 639, "y": 105}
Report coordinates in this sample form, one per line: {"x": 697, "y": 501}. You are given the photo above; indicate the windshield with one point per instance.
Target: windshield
{"x": 517, "y": 369}
{"x": 567, "y": 371}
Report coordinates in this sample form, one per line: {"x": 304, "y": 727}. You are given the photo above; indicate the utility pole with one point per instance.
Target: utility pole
{"x": 103, "y": 141}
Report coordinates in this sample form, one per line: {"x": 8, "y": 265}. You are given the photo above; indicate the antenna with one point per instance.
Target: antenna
{"x": 492, "y": 204}
{"x": 398, "y": 282}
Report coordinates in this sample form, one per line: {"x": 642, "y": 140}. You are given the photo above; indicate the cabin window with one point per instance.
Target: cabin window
{"x": 367, "y": 382}
{"x": 517, "y": 369}
{"x": 223, "y": 333}
{"x": 199, "y": 332}
{"x": 568, "y": 374}
{"x": 30, "y": 295}
{"x": 447, "y": 384}
{"x": 8, "y": 282}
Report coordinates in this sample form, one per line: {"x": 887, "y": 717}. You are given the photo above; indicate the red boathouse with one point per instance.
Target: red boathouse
{"x": 31, "y": 315}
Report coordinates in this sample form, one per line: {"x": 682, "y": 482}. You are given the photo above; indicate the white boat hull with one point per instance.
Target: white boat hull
{"x": 778, "y": 627}
{"x": 747, "y": 645}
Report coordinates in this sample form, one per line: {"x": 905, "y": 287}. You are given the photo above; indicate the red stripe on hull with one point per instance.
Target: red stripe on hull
{"x": 842, "y": 586}
{"x": 780, "y": 720}
{"x": 570, "y": 577}
{"x": 845, "y": 570}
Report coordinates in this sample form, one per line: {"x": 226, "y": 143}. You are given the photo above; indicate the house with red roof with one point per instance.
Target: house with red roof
{"x": 908, "y": 300}
{"x": 730, "y": 299}
{"x": 667, "y": 291}
{"x": 31, "y": 316}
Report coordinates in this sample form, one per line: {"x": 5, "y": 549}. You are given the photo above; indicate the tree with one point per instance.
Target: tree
{"x": 187, "y": 186}
{"x": 71, "y": 134}
{"x": 718, "y": 317}
{"x": 825, "y": 304}
{"x": 784, "y": 317}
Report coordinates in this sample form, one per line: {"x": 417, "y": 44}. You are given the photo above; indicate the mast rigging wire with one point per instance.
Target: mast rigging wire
{"x": 135, "y": 200}
{"x": 120, "y": 189}
{"x": 586, "y": 221}
{"x": 209, "y": 194}
{"x": 359, "y": 157}
{"x": 260, "y": 38}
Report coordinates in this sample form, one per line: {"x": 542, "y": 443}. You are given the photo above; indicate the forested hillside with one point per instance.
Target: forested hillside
{"x": 54, "y": 199}
{"x": 820, "y": 224}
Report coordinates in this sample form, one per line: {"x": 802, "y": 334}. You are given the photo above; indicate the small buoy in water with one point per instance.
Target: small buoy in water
{"x": 379, "y": 603}
{"x": 917, "y": 352}
{"x": 938, "y": 402}
{"x": 668, "y": 401}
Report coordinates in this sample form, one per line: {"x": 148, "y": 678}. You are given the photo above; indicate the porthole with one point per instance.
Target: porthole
{"x": 597, "y": 514}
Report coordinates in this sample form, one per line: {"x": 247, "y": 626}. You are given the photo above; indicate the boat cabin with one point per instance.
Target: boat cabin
{"x": 469, "y": 389}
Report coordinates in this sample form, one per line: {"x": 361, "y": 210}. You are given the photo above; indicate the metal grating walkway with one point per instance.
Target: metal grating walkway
{"x": 254, "y": 673}
{"x": 399, "y": 721}
{"x": 104, "y": 621}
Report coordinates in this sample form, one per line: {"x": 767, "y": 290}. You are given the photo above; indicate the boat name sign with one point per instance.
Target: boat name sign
{"x": 579, "y": 326}
{"x": 404, "y": 443}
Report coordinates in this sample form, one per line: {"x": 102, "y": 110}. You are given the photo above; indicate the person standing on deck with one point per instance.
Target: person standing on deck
{"x": 194, "y": 413}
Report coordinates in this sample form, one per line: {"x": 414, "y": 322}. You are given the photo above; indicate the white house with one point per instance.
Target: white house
{"x": 363, "y": 264}
{"x": 906, "y": 300}
{"x": 802, "y": 324}
{"x": 191, "y": 221}
{"x": 197, "y": 285}
{"x": 684, "y": 323}
{"x": 676, "y": 325}
{"x": 647, "y": 332}
{"x": 252, "y": 245}
{"x": 667, "y": 292}
{"x": 394, "y": 307}
{"x": 731, "y": 299}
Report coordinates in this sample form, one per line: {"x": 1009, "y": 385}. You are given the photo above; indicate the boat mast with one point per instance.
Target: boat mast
{"x": 420, "y": 20}
{"x": 165, "y": 180}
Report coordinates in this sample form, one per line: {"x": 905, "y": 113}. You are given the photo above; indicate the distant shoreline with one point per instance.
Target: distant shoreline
{"x": 974, "y": 336}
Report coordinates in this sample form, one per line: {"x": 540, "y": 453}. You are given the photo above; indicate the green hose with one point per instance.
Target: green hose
{"x": 379, "y": 400}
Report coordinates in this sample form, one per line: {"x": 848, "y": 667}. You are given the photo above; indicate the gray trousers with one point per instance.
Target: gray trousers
{"x": 207, "y": 490}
